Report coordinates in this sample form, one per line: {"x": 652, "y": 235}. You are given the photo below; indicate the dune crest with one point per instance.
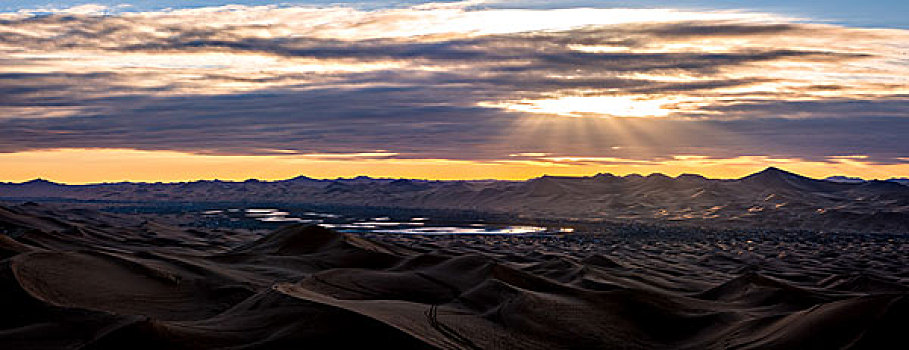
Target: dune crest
{"x": 84, "y": 284}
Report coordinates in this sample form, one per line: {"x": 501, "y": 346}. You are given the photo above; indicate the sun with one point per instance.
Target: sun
{"x": 601, "y": 106}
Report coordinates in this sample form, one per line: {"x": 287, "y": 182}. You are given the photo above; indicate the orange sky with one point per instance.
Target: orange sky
{"x": 452, "y": 91}
{"x": 79, "y": 166}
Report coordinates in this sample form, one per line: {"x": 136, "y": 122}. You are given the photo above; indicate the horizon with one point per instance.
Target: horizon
{"x": 467, "y": 174}
{"x": 770, "y": 168}
{"x": 177, "y": 91}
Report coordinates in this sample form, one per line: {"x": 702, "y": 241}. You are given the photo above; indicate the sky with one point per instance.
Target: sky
{"x": 179, "y": 90}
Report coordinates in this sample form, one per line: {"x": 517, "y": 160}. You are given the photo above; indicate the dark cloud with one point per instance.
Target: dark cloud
{"x": 896, "y": 106}
{"x": 881, "y": 138}
{"x": 344, "y": 121}
{"x": 428, "y": 123}
{"x": 730, "y": 29}
{"x": 435, "y": 113}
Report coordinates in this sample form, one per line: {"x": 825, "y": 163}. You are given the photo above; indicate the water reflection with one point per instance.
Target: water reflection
{"x": 416, "y": 225}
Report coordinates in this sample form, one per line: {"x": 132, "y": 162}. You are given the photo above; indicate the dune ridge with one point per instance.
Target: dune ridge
{"x": 75, "y": 283}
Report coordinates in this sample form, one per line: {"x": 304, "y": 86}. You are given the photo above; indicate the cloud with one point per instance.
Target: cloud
{"x": 454, "y": 82}
{"x": 81, "y": 10}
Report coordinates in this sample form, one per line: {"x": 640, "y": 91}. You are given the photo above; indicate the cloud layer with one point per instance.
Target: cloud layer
{"x": 450, "y": 82}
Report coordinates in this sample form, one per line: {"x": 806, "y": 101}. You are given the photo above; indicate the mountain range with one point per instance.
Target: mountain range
{"x": 772, "y": 198}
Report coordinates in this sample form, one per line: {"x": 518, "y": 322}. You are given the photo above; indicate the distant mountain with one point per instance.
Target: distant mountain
{"x": 901, "y": 181}
{"x": 858, "y": 180}
{"x": 845, "y": 179}
{"x": 770, "y": 198}
{"x": 775, "y": 178}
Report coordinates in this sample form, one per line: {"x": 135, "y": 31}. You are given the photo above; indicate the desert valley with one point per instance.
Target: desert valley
{"x": 194, "y": 266}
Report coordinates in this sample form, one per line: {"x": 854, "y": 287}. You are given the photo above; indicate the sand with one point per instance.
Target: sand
{"x": 82, "y": 279}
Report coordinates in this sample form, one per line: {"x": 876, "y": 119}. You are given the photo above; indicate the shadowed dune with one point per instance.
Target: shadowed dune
{"x": 118, "y": 286}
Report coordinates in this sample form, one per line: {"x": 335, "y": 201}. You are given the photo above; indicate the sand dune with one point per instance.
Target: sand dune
{"x": 73, "y": 282}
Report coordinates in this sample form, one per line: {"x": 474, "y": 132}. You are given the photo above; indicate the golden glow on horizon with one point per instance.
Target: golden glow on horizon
{"x": 80, "y": 166}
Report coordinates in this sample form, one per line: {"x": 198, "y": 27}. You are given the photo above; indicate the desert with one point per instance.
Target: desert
{"x": 94, "y": 275}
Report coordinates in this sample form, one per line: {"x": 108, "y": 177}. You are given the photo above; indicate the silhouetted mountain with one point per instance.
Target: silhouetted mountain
{"x": 41, "y": 183}
{"x": 845, "y": 179}
{"x": 902, "y": 181}
{"x": 769, "y": 198}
